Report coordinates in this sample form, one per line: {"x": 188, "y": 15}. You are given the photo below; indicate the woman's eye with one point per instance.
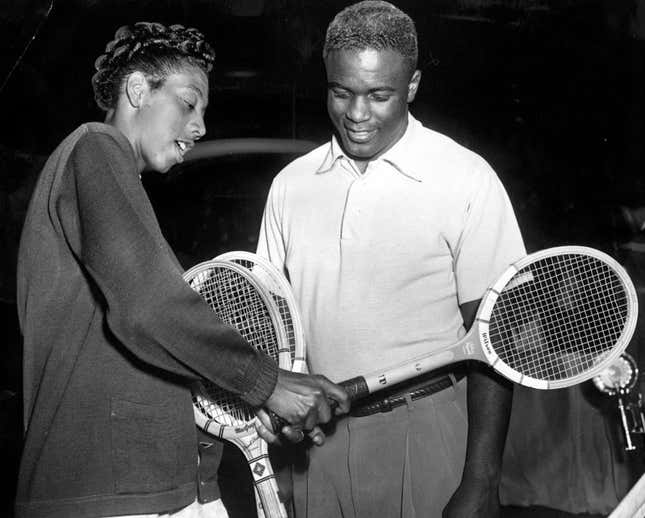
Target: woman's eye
{"x": 190, "y": 105}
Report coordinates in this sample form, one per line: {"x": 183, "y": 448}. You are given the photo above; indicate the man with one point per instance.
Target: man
{"x": 390, "y": 233}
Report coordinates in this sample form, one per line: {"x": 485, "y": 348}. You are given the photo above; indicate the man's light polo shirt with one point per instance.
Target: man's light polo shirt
{"x": 380, "y": 261}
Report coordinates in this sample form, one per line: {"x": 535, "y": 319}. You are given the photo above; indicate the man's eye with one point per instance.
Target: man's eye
{"x": 380, "y": 98}
{"x": 190, "y": 105}
{"x": 340, "y": 94}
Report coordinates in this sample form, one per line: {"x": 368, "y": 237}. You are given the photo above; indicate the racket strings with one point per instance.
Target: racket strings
{"x": 277, "y": 294}
{"x": 558, "y": 321}
{"x": 236, "y": 301}
{"x": 221, "y": 406}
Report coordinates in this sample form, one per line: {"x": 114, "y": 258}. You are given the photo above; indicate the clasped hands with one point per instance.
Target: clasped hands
{"x": 304, "y": 401}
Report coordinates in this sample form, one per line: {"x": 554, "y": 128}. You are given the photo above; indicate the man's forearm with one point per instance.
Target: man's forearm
{"x": 489, "y": 407}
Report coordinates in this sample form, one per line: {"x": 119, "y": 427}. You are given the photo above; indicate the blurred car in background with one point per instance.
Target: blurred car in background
{"x": 213, "y": 201}
{"x": 210, "y": 204}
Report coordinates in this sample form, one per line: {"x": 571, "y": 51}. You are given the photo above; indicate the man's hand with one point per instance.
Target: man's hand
{"x": 474, "y": 499}
{"x": 303, "y": 400}
{"x": 292, "y": 434}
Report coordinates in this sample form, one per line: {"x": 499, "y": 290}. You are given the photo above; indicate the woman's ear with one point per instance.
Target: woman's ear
{"x": 136, "y": 86}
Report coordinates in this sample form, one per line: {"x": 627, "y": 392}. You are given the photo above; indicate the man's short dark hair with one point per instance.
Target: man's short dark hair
{"x": 373, "y": 24}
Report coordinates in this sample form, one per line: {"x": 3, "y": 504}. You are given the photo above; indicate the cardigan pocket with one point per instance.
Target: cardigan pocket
{"x": 144, "y": 452}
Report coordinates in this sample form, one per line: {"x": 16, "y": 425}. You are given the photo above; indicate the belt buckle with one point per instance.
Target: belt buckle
{"x": 386, "y": 405}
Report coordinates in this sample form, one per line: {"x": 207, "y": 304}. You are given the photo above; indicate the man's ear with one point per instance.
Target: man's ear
{"x": 136, "y": 87}
{"x": 413, "y": 85}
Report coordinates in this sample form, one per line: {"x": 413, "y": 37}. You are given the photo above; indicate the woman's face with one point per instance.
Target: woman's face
{"x": 170, "y": 119}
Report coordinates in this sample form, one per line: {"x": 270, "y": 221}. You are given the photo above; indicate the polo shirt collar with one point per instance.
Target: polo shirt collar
{"x": 400, "y": 156}
{"x": 334, "y": 154}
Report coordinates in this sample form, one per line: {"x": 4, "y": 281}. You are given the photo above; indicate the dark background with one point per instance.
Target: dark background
{"x": 551, "y": 93}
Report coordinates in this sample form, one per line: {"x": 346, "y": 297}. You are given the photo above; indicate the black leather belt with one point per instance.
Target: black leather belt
{"x": 387, "y": 400}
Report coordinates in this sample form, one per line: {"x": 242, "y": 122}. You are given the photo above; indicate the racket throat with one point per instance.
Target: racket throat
{"x": 469, "y": 349}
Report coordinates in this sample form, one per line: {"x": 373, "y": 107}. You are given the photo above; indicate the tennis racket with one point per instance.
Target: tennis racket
{"x": 280, "y": 290}
{"x": 633, "y": 505}
{"x": 553, "y": 319}
{"x": 239, "y": 300}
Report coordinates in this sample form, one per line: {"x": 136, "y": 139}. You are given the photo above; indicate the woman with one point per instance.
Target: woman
{"x": 113, "y": 336}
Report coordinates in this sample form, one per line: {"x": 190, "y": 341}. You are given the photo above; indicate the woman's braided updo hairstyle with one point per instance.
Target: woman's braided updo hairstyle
{"x": 151, "y": 48}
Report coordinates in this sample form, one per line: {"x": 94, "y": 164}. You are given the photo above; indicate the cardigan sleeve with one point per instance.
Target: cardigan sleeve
{"x": 110, "y": 225}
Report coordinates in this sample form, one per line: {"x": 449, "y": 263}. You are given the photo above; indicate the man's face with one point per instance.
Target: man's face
{"x": 171, "y": 119}
{"x": 368, "y": 92}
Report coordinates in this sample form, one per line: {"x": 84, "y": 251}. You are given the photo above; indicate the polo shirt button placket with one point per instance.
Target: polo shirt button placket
{"x": 352, "y": 213}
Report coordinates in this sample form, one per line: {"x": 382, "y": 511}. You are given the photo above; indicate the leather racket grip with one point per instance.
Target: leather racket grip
{"x": 356, "y": 388}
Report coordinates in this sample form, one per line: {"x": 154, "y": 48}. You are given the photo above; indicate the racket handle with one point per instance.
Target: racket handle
{"x": 356, "y": 388}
